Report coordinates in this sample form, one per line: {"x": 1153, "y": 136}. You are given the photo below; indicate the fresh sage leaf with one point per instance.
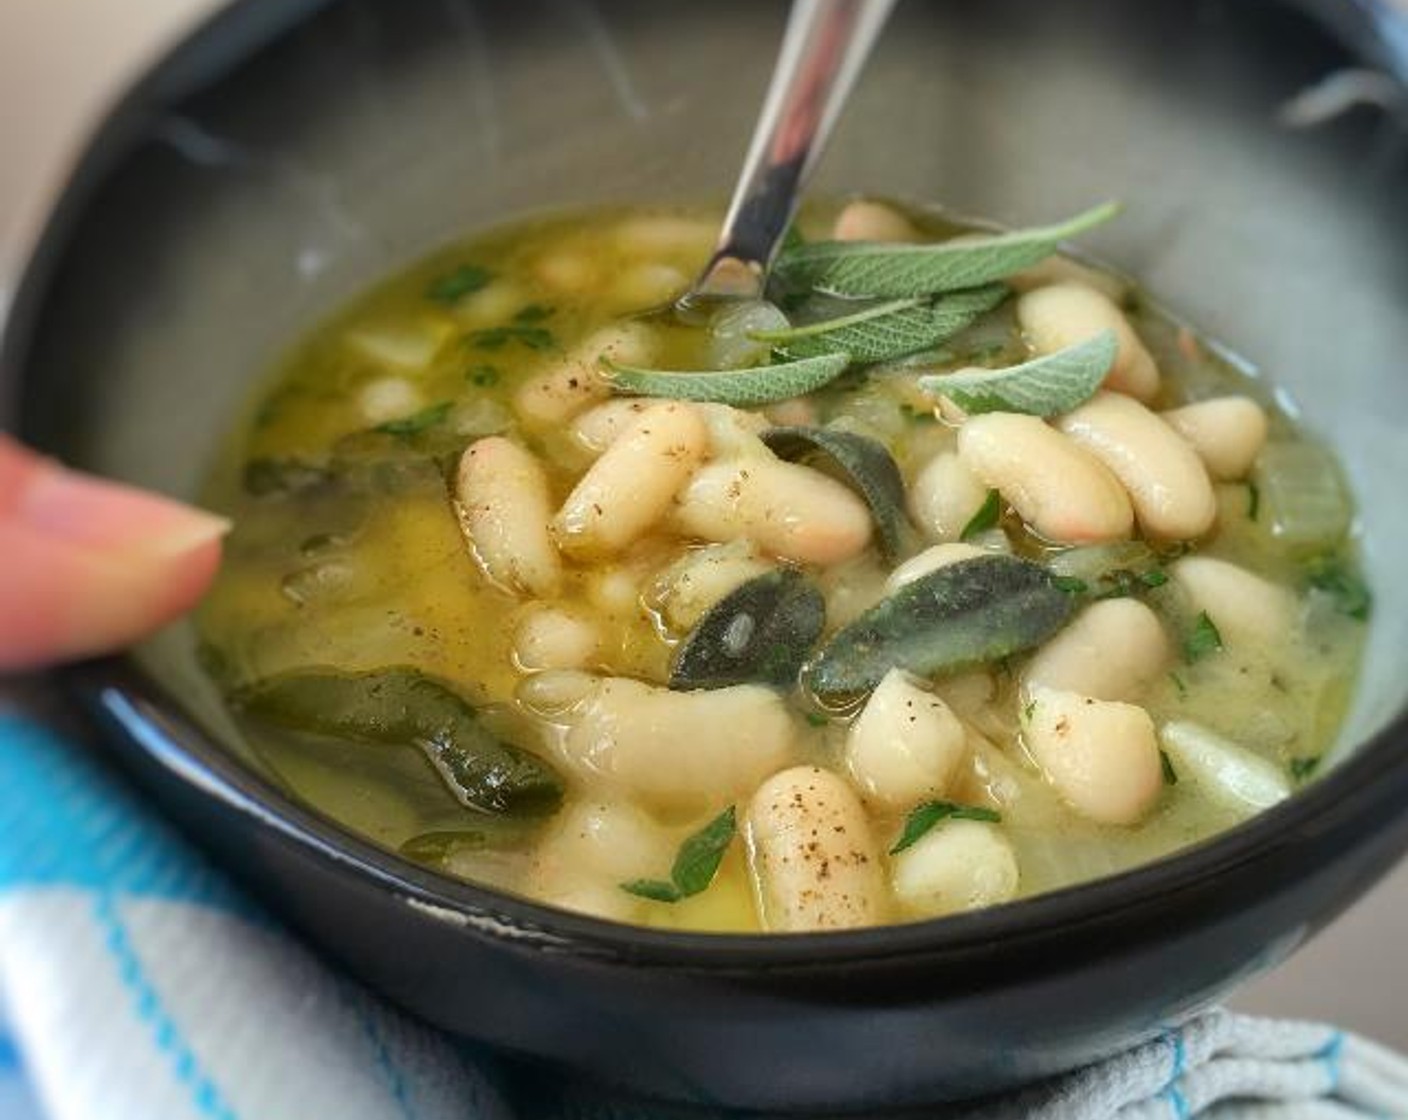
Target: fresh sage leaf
{"x": 496, "y": 338}
{"x": 887, "y": 330}
{"x": 1303, "y": 768}
{"x": 760, "y": 632}
{"x": 437, "y": 847}
{"x": 1202, "y": 640}
{"x": 924, "y": 817}
{"x": 452, "y": 286}
{"x": 863, "y": 463}
{"x": 403, "y": 707}
{"x": 987, "y": 517}
{"x": 696, "y": 864}
{"x": 970, "y": 613}
{"x": 417, "y": 422}
{"x": 759, "y": 385}
{"x": 1045, "y": 386}
{"x": 883, "y": 270}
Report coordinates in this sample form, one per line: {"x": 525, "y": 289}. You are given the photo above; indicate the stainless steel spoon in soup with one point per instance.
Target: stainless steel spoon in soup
{"x": 823, "y": 50}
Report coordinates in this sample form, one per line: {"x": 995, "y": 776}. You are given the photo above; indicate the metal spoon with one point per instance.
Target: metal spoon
{"x": 825, "y": 45}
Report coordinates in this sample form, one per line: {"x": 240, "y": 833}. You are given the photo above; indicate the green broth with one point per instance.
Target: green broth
{"x": 352, "y": 558}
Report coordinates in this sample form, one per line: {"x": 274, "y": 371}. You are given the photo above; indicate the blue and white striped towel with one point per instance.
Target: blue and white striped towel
{"x": 137, "y": 984}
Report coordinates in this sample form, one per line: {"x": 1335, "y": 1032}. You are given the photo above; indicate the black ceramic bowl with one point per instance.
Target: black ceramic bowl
{"x": 281, "y": 159}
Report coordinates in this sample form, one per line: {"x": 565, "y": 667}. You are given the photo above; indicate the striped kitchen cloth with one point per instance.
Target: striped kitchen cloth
{"x": 136, "y": 983}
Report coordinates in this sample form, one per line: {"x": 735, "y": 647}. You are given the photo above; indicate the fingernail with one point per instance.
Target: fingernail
{"x": 86, "y": 510}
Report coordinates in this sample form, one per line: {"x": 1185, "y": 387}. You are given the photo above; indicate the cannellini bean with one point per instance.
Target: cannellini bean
{"x": 388, "y": 398}
{"x": 905, "y": 745}
{"x": 787, "y": 509}
{"x": 1228, "y": 433}
{"x": 574, "y": 382}
{"x": 864, "y": 220}
{"x": 1167, "y": 482}
{"x": 504, "y": 509}
{"x": 1113, "y": 650}
{"x": 553, "y": 691}
{"x": 795, "y": 411}
{"x": 1065, "y": 314}
{"x": 1246, "y": 609}
{"x": 734, "y": 433}
{"x": 1063, "y": 270}
{"x": 703, "y": 576}
{"x": 1058, "y": 488}
{"x": 666, "y": 748}
{"x": 663, "y": 235}
{"x": 647, "y": 285}
{"x": 610, "y": 841}
{"x": 1228, "y": 774}
{"x": 955, "y": 866}
{"x": 595, "y": 899}
{"x": 931, "y": 560}
{"x": 1101, "y": 755}
{"x": 597, "y": 428}
{"x": 814, "y": 861}
{"x": 549, "y": 638}
{"x": 615, "y": 590}
{"x": 567, "y": 271}
{"x": 632, "y": 485}
{"x": 945, "y": 496}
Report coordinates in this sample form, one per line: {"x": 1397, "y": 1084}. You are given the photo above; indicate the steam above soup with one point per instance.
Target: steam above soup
{"x": 953, "y": 573}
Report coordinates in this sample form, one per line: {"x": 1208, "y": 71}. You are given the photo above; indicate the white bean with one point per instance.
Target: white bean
{"x": 567, "y": 271}
{"x": 1058, "y": 488}
{"x": 1228, "y": 433}
{"x": 931, "y": 560}
{"x": 794, "y": 411}
{"x": 864, "y": 220}
{"x": 609, "y": 841}
{"x": 1167, "y": 482}
{"x": 905, "y": 745}
{"x": 1113, "y": 650}
{"x": 815, "y": 863}
{"x": 787, "y": 509}
{"x": 597, "y": 428}
{"x": 1062, "y": 315}
{"x": 549, "y": 638}
{"x": 665, "y": 235}
{"x": 574, "y": 382}
{"x": 634, "y": 482}
{"x": 699, "y": 579}
{"x": 554, "y": 691}
{"x": 944, "y": 497}
{"x": 1063, "y": 270}
{"x": 1102, "y": 756}
{"x": 955, "y": 866}
{"x": 648, "y": 285}
{"x": 1246, "y": 609}
{"x": 504, "y": 509}
{"x": 388, "y": 398}
{"x": 666, "y": 748}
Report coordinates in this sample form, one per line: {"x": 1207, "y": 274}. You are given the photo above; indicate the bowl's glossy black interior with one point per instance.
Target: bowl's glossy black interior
{"x": 243, "y": 192}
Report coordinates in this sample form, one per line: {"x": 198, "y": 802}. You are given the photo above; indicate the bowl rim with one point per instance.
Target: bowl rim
{"x": 127, "y": 696}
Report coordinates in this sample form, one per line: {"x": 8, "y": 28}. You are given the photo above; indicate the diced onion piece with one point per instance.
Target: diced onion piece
{"x": 1228, "y": 774}
{"x": 729, "y": 344}
{"x": 1303, "y": 495}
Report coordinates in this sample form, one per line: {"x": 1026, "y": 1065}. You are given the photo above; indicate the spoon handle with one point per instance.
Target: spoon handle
{"x": 825, "y": 45}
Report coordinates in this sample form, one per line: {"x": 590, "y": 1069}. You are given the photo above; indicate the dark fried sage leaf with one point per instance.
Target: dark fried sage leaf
{"x": 863, "y": 463}
{"x": 969, "y": 613}
{"x": 404, "y": 707}
{"x": 760, "y": 632}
